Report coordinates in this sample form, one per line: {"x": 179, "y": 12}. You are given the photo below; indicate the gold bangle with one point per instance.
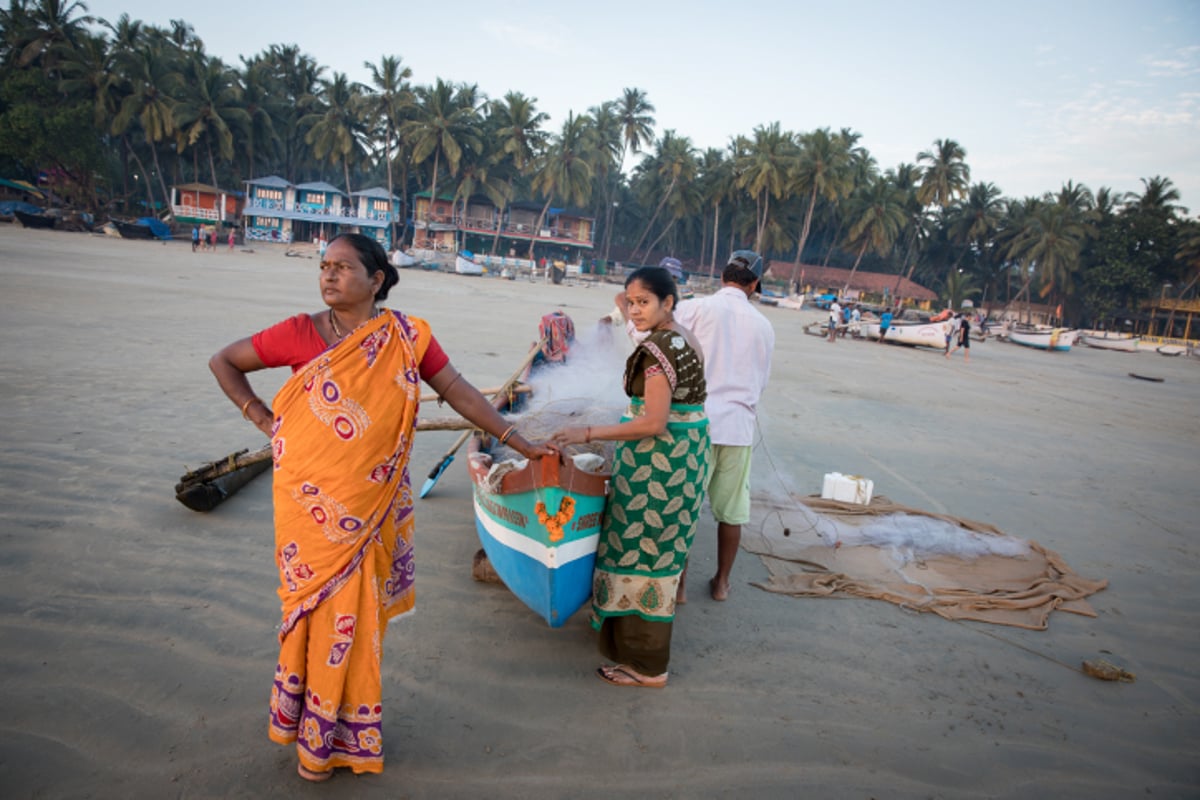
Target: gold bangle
{"x": 504, "y": 437}
{"x": 246, "y": 406}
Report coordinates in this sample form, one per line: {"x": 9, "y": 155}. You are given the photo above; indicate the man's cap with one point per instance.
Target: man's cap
{"x": 673, "y": 266}
{"x": 747, "y": 259}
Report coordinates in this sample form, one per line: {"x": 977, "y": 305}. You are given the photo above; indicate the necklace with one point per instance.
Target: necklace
{"x": 333, "y": 322}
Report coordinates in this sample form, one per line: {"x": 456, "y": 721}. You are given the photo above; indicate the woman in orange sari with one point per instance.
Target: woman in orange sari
{"x": 341, "y": 430}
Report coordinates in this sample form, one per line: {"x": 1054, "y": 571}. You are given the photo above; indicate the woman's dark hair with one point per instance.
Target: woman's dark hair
{"x": 657, "y": 280}
{"x": 373, "y": 257}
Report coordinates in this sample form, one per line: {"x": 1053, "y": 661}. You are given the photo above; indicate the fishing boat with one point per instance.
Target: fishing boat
{"x": 133, "y": 230}
{"x": 1110, "y": 340}
{"x": 464, "y": 264}
{"x": 1043, "y": 337}
{"x": 539, "y": 521}
{"x": 914, "y": 328}
{"x": 29, "y": 220}
{"x": 539, "y": 524}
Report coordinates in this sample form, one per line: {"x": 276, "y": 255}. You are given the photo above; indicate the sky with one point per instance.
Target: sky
{"x": 1099, "y": 92}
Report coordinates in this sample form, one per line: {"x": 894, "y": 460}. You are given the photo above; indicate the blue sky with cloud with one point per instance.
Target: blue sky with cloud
{"x": 1103, "y": 93}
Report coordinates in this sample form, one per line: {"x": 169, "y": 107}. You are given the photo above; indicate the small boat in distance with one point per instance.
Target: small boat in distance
{"x": 1043, "y": 337}
{"x": 1110, "y": 340}
{"x": 914, "y": 328}
{"x": 29, "y": 220}
{"x": 464, "y": 264}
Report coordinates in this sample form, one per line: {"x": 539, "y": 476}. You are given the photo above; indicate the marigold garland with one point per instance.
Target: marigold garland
{"x": 554, "y": 524}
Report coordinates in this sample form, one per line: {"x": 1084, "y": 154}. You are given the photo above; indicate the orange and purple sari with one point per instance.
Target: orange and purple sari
{"x": 343, "y": 537}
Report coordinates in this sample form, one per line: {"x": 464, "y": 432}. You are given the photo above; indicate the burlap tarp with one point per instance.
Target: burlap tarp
{"x": 1018, "y": 591}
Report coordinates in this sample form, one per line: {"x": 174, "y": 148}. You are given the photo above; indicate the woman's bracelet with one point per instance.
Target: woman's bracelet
{"x": 504, "y": 437}
{"x": 246, "y": 406}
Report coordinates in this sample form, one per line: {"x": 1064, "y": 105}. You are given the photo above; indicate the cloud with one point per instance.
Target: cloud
{"x": 552, "y": 39}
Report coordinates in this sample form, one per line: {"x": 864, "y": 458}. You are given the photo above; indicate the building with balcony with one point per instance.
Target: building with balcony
{"x": 279, "y": 211}
{"x": 565, "y": 235}
{"x": 201, "y": 204}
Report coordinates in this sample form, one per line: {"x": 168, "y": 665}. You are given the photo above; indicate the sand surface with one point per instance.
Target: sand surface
{"x": 137, "y": 638}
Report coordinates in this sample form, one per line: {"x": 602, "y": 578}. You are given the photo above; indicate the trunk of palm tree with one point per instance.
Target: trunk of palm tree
{"x": 762, "y": 222}
{"x": 433, "y": 196}
{"x": 837, "y": 234}
{"x": 650, "y": 249}
{"x": 804, "y": 230}
{"x": 387, "y": 155}
{"x": 538, "y": 226}
{"x": 653, "y": 219}
{"x": 142, "y": 167}
{"x": 861, "y": 251}
{"x": 212, "y": 166}
{"x": 712, "y": 265}
{"x": 500, "y": 217}
{"x": 162, "y": 183}
{"x": 346, "y": 172}
{"x": 912, "y": 240}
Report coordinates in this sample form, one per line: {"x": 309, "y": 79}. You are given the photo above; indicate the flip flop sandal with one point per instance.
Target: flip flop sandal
{"x": 620, "y": 675}
{"x": 313, "y": 775}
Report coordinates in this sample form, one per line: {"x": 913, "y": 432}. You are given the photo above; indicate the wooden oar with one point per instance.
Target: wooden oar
{"x": 437, "y": 471}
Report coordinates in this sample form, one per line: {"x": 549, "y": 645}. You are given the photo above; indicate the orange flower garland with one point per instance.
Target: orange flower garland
{"x": 554, "y": 525}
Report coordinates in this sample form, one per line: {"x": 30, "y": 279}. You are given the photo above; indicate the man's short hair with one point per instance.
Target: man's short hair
{"x": 745, "y": 268}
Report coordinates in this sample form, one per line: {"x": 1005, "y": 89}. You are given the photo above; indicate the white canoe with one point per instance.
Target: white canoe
{"x": 464, "y": 264}
{"x": 922, "y": 334}
{"x": 1044, "y": 338}
{"x": 1107, "y": 340}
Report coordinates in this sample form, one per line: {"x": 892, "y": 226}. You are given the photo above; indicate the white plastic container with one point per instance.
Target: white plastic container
{"x": 847, "y": 488}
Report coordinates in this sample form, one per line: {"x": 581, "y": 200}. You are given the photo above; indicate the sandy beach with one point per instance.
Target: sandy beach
{"x": 137, "y": 638}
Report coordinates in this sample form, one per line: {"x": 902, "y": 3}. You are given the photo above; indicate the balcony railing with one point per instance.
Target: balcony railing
{"x": 318, "y": 212}
{"x": 195, "y": 212}
{"x": 489, "y": 225}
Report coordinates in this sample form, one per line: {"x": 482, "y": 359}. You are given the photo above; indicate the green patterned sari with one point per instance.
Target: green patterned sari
{"x": 656, "y": 491}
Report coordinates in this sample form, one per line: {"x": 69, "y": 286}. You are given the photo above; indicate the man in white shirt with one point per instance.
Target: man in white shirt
{"x": 835, "y": 319}
{"x": 737, "y": 343}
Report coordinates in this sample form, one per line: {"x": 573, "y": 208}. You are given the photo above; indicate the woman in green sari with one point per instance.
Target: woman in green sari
{"x": 660, "y": 470}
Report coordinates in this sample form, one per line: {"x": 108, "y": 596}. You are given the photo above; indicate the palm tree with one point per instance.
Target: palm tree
{"x": 445, "y": 124}
{"x": 337, "y": 129}
{"x": 877, "y": 217}
{"x": 637, "y": 124}
{"x": 517, "y": 128}
{"x": 1048, "y": 245}
{"x": 209, "y": 107}
{"x": 764, "y": 172}
{"x": 259, "y": 138}
{"x": 388, "y": 107}
{"x": 1159, "y": 196}
{"x": 607, "y": 148}
{"x": 564, "y": 170}
{"x": 822, "y": 170}
{"x": 148, "y": 105}
{"x": 972, "y": 223}
{"x": 35, "y": 31}
{"x": 945, "y": 176}
{"x": 674, "y": 162}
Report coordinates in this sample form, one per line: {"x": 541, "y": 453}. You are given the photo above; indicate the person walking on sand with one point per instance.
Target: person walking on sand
{"x": 231, "y": 240}
{"x": 835, "y": 319}
{"x": 885, "y": 322}
{"x": 195, "y": 237}
{"x": 736, "y": 342}
{"x": 964, "y": 339}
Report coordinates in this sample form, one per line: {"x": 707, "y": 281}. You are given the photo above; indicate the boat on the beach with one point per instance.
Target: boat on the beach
{"x": 29, "y": 220}
{"x": 142, "y": 228}
{"x": 464, "y": 264}
{"x": 1110, "y": 340}
{"x": 1170, "y": 350}
{"x": 539, "y": 521}
{"x": 1043, "y": 337}
{"x": 914, "y": 328}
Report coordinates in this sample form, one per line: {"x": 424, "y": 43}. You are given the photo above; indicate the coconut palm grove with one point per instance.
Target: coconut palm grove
{"x": 109, "y": 114}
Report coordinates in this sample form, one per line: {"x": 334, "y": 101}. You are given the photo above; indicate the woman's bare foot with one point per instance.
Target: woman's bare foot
{"x": 621, "y": 675}
{"x": 719, "y": 590}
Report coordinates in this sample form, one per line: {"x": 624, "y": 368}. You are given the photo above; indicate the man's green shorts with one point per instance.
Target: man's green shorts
{"x": 729, "y": 484}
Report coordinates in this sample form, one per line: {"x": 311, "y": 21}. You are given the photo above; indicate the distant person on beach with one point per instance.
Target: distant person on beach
{"x": 342, "y": 430}
{"x": 964, "y": 338}
{"x": 231, "y": 239}
{"x": 736, "y": 342}
{"x": 195, "y": 237}
{"x": 885, "y": 322}
{"x": 659, "y": 472}
{"x": 835, "y": 318}
{"x": 855, "y": 321}
{"x": 952, "y": 330}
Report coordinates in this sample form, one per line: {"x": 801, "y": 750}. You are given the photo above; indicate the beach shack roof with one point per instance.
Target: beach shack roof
{"x": 320, "y": 186}
{"x": 271, "y": 182}
{"x": 868, "y": 282}
{"x": 204, "y": 187}
{"x": 375, "y": 192}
